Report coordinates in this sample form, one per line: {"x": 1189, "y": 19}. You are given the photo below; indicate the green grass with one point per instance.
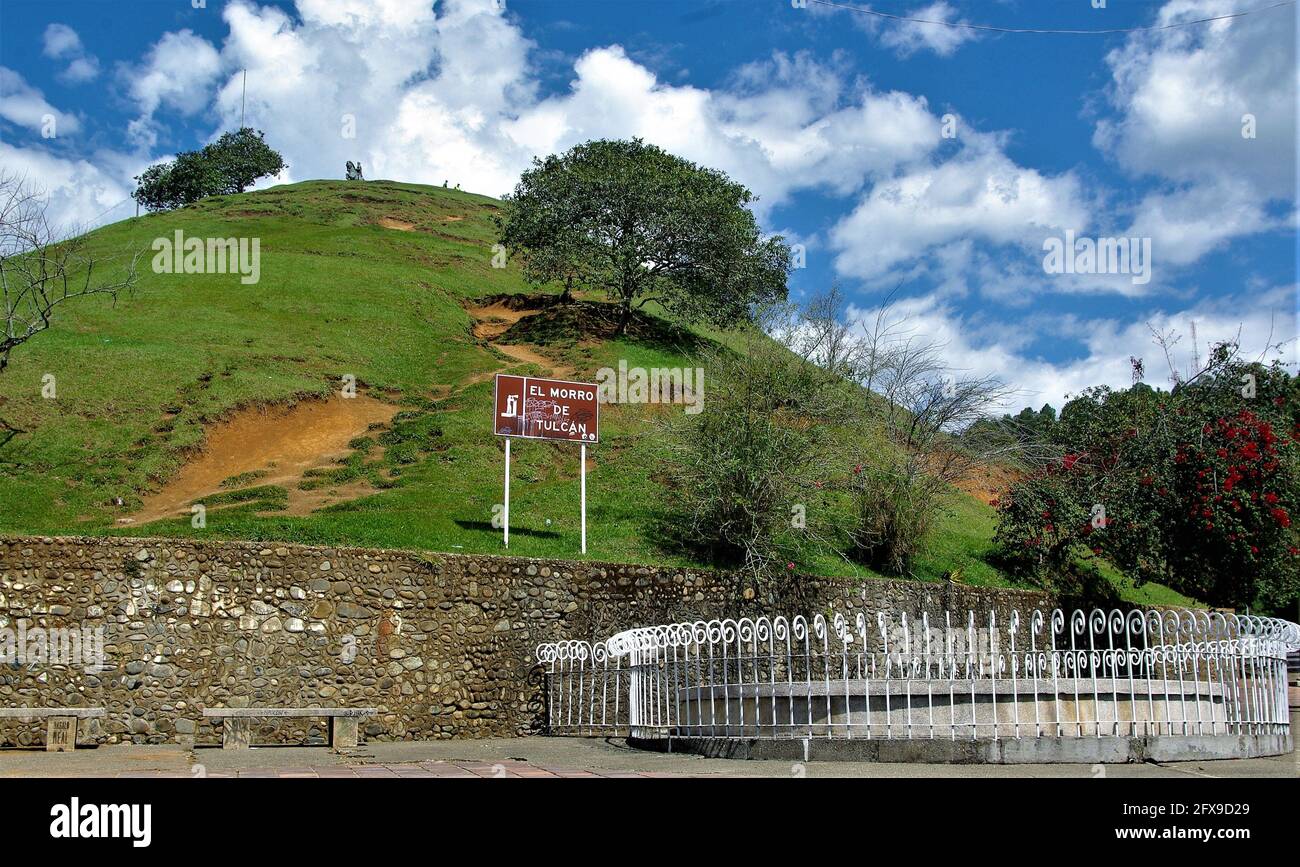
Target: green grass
{"x": 138, "y": 381}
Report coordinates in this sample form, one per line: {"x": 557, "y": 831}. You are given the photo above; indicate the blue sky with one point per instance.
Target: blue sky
{"x": 935, "y": 159}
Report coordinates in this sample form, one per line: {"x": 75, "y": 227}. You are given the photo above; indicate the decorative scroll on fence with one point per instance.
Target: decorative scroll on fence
{"x": 1083, "y": 674}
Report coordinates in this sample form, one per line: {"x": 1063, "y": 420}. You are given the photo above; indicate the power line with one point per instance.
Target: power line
{"x": 118, "y": 205}
{"x": 990, "y": 28}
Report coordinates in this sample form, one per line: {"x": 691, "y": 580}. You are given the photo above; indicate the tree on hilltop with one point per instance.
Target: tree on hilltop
{"x": 231, "y": 164}
{"x": 644, "y": 225}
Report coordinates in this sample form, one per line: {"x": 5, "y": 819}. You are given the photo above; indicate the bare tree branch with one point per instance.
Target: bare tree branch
{"x": 42, "y": 268}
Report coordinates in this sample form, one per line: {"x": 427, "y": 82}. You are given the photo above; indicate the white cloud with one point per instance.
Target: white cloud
{"x": 788, "y": 124}
{"x": 1182, "y": 96}
{"x": 61, "y": 42}
{"x": 909, "y": 37}
{"x": 177, "y": 74}
{"x": 24, "y": 105}
{"x": 978, "y": 195}
{"x": 977, "y": 345}
{"x": 79, "y": 191}
{"x": 1187, "y": 223}
{"x": 454, "y": 97}
{"x": 81, "y": 70}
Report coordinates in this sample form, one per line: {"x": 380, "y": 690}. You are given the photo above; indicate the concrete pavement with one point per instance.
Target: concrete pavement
{"x": 547, "y": 757}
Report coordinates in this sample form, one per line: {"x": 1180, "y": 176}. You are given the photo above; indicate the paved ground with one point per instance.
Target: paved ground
{"x": 545, "y": 757}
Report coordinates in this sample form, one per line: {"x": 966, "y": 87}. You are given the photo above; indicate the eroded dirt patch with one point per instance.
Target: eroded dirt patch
{"x": 407, "y": 226}
{"x": 495, "y": 319}
{"x": 496, "y": 315}
{"x": 274, "y": 445}
{"x": 989, "y": 482}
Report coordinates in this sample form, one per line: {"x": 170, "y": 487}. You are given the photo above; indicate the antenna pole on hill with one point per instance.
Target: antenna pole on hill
{"x": 243, "y": 97}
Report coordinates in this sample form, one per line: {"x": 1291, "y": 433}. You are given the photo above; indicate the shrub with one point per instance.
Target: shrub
{"x": 1197, "y": 488}
{"x": 894, "y": 509}
{"x": 756, "y": 457}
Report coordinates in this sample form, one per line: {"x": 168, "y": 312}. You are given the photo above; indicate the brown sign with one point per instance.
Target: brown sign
{"x": 545, "y": 409}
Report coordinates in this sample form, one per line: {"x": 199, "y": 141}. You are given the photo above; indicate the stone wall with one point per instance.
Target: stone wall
{"x": 441, "y": 644}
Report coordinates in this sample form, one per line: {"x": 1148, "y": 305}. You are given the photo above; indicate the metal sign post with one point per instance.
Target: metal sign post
{"x": 505, "y": 513}
{"x": 583, "y": 458}
{"x": 546, "y": 409}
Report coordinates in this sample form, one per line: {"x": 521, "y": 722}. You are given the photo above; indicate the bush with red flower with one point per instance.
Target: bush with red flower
{"x": 1197, "y": 488}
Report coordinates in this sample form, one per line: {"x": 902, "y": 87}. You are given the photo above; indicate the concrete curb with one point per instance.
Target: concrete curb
{"x": 1004, "y": 751}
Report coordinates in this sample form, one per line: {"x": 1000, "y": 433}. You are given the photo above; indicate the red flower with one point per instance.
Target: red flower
{"x": 1281, "y": 517}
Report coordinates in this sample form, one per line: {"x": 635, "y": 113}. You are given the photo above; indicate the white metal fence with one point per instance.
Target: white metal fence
{"x": 1085, "y": 673}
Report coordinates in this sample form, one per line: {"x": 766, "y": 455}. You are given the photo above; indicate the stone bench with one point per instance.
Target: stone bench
{"x": 61, "y": 730}
{"x": 237, "y": 728}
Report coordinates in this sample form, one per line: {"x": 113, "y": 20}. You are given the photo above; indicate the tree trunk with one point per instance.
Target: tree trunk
{"x": 624, "y": 316}
{"x": 567, "y": 295}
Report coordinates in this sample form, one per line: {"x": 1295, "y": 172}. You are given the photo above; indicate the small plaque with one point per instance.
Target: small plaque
{"x": 61, "y": 734}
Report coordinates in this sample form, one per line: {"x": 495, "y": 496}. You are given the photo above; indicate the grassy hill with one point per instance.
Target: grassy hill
{"x": 386, "y": 282}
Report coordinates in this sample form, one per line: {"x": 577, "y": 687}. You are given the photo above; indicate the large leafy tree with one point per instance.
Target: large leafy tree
{"x": 229, "y": 165}
{"x": 644, "y": 225}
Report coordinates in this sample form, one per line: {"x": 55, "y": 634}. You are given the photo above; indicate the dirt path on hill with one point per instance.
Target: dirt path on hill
{"x": 493, "y": 320}
{"x": 276, "y": 446}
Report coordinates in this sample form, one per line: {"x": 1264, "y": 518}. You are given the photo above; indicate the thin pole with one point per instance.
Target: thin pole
{"x": 583, "y": 458}
{"x": 505, "y": 514}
